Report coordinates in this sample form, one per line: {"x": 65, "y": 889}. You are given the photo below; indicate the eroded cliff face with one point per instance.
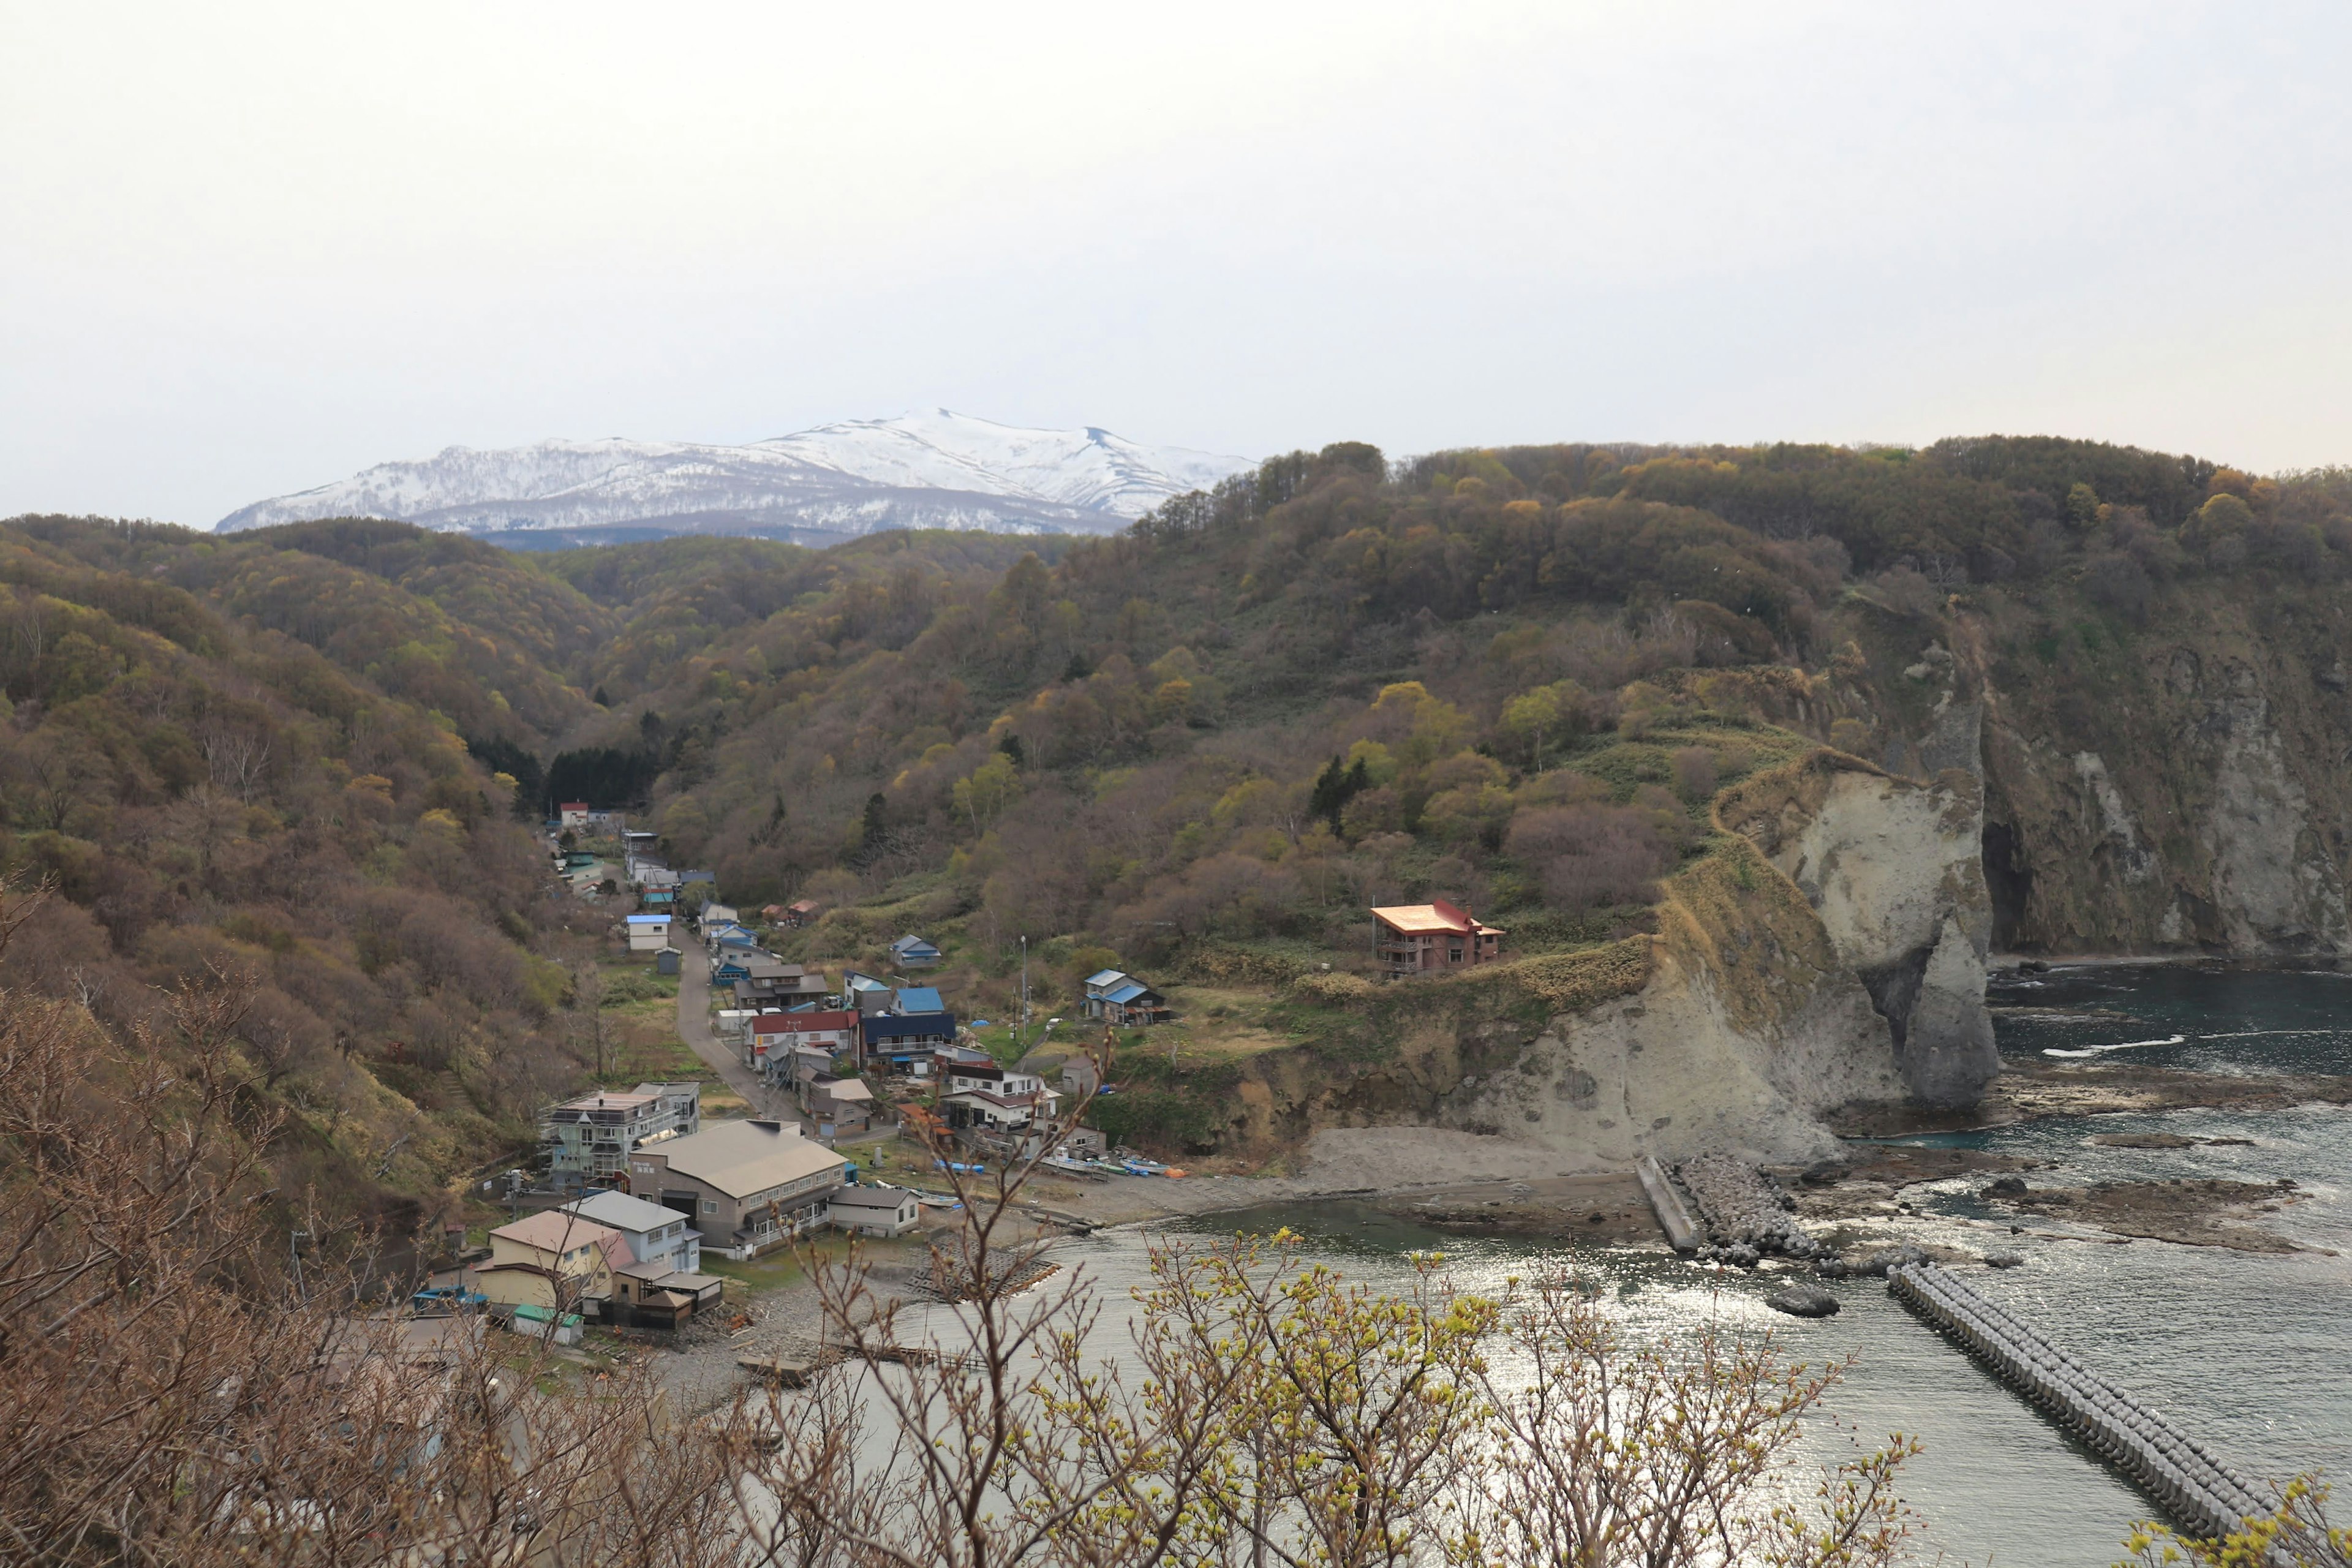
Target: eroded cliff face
{"x": 1831, "y": 952}
{"x": 1893, "y": 872}
{"x": 2183, "y": 787}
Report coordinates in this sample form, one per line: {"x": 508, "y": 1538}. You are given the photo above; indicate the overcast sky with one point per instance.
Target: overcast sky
{"x": 246, "y": 249}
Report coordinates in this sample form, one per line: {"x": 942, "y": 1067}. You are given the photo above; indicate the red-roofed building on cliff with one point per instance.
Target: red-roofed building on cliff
{"x": 1430, "y": 938}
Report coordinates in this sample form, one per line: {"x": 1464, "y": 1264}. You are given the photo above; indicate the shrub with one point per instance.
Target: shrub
{"x": 1591, "y": 855}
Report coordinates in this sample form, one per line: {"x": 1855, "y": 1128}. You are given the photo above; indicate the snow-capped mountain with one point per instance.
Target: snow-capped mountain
{"x": 932, "y": 469}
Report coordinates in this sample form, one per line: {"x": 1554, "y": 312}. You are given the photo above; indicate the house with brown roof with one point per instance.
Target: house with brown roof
{"x": 550, "y": 1260}
{"x": 1431, "y": 939}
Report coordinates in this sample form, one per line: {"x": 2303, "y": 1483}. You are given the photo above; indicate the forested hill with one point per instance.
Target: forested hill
{"x": 1512, "y": 677}
{"x": 1123, "y": 739}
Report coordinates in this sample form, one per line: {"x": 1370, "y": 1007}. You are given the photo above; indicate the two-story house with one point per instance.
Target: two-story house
{"x": 999, "y": 1100}
{"x": 904, "y": 1037}
{"x": 774, "y": 1037}
{"x": 656, "y": 1260}
{"x": 656, "y": 1235}
{"x": 554, "y": 1261}
{"x": 1431, "y": 939}
{"x": 1118, "y": 997}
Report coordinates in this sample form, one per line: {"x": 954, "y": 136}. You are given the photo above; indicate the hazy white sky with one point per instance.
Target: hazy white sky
{"x": 246, "y": 248}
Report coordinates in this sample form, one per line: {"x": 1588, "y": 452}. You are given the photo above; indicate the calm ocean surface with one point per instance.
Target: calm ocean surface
{"x": 2252, "y": 1353}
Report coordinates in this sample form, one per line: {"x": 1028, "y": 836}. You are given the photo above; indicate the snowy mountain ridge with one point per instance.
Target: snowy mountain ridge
{"x": 936, "y": 468}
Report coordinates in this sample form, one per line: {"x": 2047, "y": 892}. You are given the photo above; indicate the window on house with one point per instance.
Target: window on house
{"x": 710, "y": 1206}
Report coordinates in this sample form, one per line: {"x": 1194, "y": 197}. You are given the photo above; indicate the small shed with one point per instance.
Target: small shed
{"x": 665, "y": 960}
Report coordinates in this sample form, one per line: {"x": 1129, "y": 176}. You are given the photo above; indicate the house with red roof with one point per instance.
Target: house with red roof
{"x": 1431, "y": 939}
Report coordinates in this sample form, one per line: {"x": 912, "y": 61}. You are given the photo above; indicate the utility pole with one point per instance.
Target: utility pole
{"x": 1024, "y": 983}
{"x": 294, "y": 1241}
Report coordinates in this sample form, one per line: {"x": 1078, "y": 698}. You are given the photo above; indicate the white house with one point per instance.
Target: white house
{"x": 647, "y": 934}
{"x": 873, "y": 1211}
{"x": 655, "y": 1234}
{"x": 981, "y": 1094}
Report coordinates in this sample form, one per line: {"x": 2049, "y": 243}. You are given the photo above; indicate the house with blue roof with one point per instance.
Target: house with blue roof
{"x": 647, "y": 934}
{"x": 1118, "y": 997}
{"x": 867, "y": 994}
{"x": 913, "y": 953}
{"x": 919, "y": 999}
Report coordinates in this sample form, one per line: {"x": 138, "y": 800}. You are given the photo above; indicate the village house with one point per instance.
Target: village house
{"x": 589, "y": 1140}
{"x": 1432, "y": 938}
{"x": 1118, "y": 997}
{"x": 551, "y": 1261}
{"x": 726, "y": 936}
{"x": 800, "y": 913}
{"x": 904, "y": 1038}
{"x": 831, "y": 1031}
{"x": 572, "y": 814}
{"x": 797, "y": 1068}
{"x": 655, "y": 1234}
{"x": 770, "y": 982}
{"x": 864, "y": 993}
{"x": 913, "y": 953}
{"x": 647, "y": 934}
{"x": 749, "y": 1186}
{"x": 842, "y": 1107}
{"x": 874, "y": 1211}
{"x": 995, "y": 1099}
{"x": 655, "y": 1260}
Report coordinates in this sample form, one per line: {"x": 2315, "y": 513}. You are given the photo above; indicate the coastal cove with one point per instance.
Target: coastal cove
{"x": 2243, "y": 1349}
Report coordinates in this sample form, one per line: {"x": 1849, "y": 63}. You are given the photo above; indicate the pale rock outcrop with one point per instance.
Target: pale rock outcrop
{"x": 1672, "y": 1072}
{"x": 1843, "y": 962}
{"x": 1894, "y": 869}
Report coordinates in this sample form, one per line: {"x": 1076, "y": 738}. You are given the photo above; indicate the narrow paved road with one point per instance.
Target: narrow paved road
{"x": 694, "y": 1028}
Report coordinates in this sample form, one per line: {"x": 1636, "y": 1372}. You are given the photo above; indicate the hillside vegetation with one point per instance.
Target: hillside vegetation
{"x": 1514, "y": 677}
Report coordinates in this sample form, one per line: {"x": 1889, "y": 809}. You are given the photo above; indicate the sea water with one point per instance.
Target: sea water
{"x": 2249, "y": 1353}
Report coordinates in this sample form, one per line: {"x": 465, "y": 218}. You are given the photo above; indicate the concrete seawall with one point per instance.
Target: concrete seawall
{"x": 1682, "y": 1231}
{"x": 2196, "y": 1488}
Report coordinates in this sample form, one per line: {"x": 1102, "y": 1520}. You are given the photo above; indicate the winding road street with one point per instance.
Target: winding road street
{"x": 694, "y": 1028}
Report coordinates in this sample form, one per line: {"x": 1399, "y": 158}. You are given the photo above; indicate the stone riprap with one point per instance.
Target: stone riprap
{"x": 1742, "y": 1213}
{"x": 2197, "y": 1490}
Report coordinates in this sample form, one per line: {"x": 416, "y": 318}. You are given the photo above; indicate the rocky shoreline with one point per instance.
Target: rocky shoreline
{"x": 2032, "y": 1091}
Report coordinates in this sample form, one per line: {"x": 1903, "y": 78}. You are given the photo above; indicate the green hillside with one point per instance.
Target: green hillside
{"x": 1514, "y": 677}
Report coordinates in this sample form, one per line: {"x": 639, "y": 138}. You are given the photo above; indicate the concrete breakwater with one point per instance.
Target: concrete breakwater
{"x": 2197, "y": 1490}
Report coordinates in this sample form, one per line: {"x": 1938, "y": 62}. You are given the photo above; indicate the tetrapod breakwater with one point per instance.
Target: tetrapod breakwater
{"x": 2198, "y": 1491}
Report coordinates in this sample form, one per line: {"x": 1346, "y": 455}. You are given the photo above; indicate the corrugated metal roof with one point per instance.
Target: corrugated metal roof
{"x": 1421, "y": 918}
